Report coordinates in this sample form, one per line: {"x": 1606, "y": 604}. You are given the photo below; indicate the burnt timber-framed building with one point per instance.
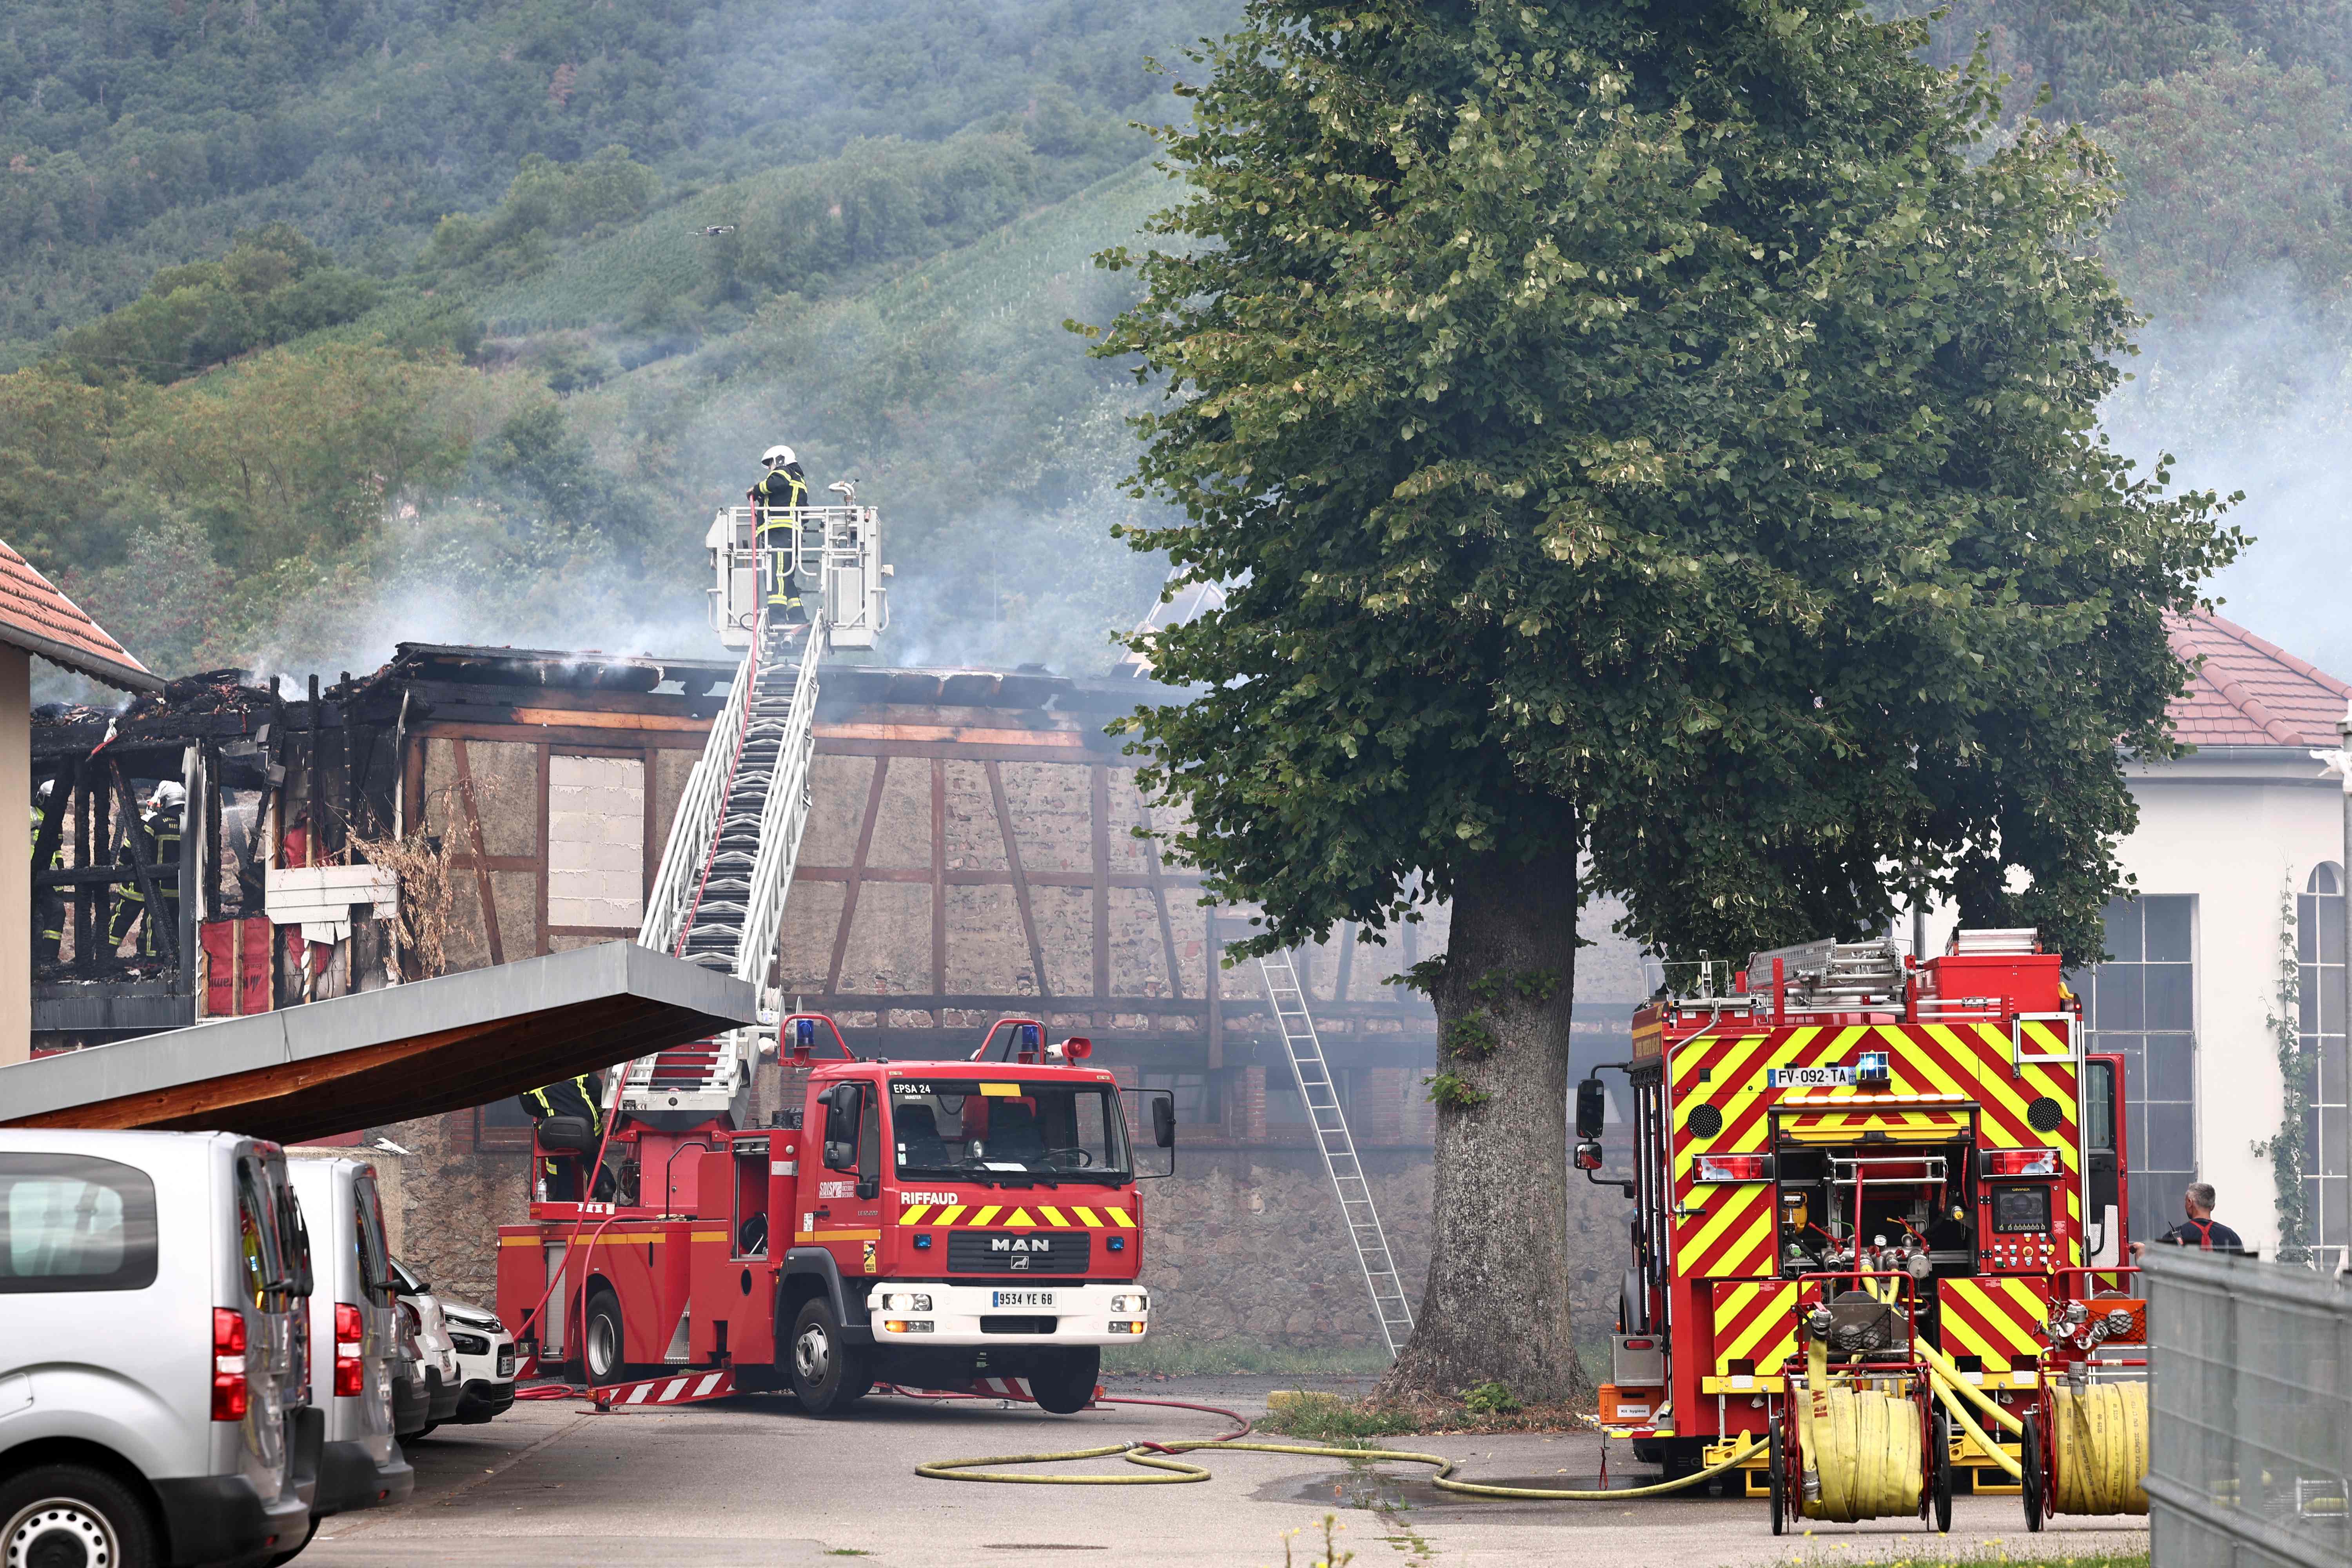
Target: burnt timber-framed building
{"x": 971, "y": 852}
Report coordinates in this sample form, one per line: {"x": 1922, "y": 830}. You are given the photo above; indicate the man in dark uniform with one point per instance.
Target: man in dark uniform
{"x": 48, "y": 903}
{"x": 2200, "y": 1230}
{"x": 581, "y": 1097}
{"x": 778, "y": 496}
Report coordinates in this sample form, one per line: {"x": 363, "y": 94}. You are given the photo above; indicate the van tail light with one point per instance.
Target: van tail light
{"x": 349, "y": 1332}
{"x": 2021, "y": 1163}
{"x": 1735, "y": 1168}
{"x": 230, "y": 1395}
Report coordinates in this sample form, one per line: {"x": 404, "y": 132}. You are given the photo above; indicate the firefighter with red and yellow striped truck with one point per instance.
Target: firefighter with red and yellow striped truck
{"x": 1925, "y": 1148}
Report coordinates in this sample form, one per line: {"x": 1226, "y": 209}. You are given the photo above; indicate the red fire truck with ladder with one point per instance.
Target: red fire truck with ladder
{"x": 962, "y": 1224}
{"x": 1885, "y": 1183}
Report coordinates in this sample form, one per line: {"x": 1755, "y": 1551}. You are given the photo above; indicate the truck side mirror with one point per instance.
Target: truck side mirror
{"x": 1592, "y": 1109}
{"x": 841, "y": 1127}
{"x": 869, "y": 1157}
{"x": 1588, "y": 1155}
{"x": 1163, "y": 1121}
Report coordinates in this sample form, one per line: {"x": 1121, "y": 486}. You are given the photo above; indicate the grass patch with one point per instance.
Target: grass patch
{"x": 1342, "y": 1422}
{"x": 1225, "y": 1358}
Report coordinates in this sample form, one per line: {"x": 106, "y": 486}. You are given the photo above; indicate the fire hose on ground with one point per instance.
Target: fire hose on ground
{"x": 1167, "y": 1469}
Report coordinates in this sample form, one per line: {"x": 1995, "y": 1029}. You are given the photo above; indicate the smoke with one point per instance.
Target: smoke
{"x": 2256, "y": 396}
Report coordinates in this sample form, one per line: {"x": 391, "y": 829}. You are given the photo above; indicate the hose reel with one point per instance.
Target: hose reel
{"x": 1860, "y": 1442}
{"x": 2095, "y": 1451}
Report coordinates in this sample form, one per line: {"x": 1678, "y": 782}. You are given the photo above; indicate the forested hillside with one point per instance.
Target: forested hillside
{"x": 348, "y": 319}
{"x": 336, "y": 321}
{"x": 2231, "y": 126}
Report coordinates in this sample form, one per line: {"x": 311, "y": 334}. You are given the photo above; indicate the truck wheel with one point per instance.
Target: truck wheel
{"x": 602, "y": 1346}
{"x": 1943, "y": 1473}
{"x": 828, "y": 1374}
{"x": 71, "y": 1513}
{"x": 1063, "y": 1381}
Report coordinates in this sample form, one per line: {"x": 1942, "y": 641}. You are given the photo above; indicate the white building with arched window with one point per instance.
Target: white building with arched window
{"x": 2232, "y": 952}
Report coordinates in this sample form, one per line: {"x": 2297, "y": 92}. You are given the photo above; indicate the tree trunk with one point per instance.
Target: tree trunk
{"x": 1496, "y": 1307}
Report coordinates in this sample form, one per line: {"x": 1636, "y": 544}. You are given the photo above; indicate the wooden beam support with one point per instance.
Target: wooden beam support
{"x": 857, "y": 873}
{"x": 1020, "y": 881}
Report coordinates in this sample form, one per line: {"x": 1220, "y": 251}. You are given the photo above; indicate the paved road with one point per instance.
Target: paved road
{"x": 750, "y": 1481}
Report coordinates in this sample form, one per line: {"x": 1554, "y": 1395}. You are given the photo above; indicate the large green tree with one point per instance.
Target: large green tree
{"x": 1651, "y": 450}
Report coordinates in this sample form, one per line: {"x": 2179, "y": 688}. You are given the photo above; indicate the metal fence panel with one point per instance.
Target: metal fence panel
{"x": 2249, "y": 1412}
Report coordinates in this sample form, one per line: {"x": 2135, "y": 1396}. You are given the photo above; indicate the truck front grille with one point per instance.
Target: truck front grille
{"x": 1007, "y": 1324}
{"x": 1019, "y": 1252}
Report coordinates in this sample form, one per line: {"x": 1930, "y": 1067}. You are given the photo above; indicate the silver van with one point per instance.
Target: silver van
{"x": 152, "y": 1356}
{"x": 352, "y": 1332}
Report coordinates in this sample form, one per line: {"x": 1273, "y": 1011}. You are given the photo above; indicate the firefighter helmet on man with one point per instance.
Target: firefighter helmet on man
{"x": 777, "y": 457}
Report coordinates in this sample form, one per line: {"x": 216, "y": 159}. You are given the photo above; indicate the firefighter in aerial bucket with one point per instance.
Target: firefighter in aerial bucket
{"x": 777, "y": 501}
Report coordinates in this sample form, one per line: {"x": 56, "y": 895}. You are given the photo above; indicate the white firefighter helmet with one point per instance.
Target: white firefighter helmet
{"x": 777, "y": 457}
{"x": 169, "y": 796}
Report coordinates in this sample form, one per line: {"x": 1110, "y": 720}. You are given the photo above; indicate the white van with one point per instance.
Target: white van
{"x": 151, "y": 1367}
{"x": 353, "y": 1332}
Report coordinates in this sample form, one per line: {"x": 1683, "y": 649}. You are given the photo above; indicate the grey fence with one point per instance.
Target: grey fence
{"x": 2250, "y": 1413}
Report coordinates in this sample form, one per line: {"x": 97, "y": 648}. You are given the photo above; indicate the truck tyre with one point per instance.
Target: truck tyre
{"x": 1063, "y": 1381}
{"x": 72, "y": 1513}
{"x": 828, "y": 1374}
{"x": 603, "y": 1348}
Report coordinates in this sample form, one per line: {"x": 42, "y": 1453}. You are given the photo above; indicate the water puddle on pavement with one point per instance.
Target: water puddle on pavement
{"x": 1408, "y": 1487}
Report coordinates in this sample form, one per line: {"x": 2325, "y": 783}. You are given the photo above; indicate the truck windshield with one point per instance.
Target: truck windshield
{"x": 982, "y": 1130}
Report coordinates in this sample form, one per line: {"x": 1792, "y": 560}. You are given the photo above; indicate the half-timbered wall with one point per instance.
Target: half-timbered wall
{"x": 964, "y": 861}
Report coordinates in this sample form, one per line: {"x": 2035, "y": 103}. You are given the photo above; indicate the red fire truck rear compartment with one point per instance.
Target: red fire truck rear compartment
{"x": 1836, "y": 1108}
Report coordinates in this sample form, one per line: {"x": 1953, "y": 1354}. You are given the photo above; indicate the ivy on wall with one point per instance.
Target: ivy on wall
{"x": 2286, "y": 1149}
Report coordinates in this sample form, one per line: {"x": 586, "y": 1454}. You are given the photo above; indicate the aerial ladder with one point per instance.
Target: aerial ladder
{"x": 718, "y": 898}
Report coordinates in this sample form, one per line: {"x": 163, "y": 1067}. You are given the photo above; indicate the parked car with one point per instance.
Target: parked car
{"x": 151, "y": 1370}
{"x": 444, "y": 1385}
{"x": 486, "y": 1361}
{"x": 412, "y": 1396}
{"x": 355, "y": 1330}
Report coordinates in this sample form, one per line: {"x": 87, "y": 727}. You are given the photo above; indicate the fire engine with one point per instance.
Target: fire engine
{"x": 942, "y": 1224}
{"x": 1840, "y": 1111}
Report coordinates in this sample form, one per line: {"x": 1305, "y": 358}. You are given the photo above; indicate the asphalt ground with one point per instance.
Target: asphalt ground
{"x": 751, "y": 1480}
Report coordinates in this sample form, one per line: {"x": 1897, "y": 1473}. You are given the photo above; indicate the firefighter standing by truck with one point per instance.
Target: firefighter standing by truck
{"x": 554, "y": 1112}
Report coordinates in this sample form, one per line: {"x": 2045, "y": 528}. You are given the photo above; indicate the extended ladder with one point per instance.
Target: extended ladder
{"x": 1331, "y": 1136}
{"x": 719, "y": 899}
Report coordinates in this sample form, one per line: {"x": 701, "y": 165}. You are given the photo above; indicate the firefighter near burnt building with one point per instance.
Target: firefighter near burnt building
{"x": 975, "y": 1221}
{"x": 1879, "y": 1221}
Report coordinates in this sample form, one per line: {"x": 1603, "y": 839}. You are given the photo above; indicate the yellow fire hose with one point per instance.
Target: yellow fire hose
{"x": 2101, "y": 1437}
{"x": 1860, "y": 1447}
{"x": 1172, "y": 1471}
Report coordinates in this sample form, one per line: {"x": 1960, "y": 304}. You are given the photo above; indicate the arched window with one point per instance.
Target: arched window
{"x": 2319, "y": 933}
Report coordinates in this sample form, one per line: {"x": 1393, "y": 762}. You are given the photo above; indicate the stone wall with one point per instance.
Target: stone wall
{"x": 1248, "y": 1244}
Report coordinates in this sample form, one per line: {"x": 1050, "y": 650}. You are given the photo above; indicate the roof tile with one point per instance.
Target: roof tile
{"x": 35, "y": 616}
{"x": 2250, "y": 692}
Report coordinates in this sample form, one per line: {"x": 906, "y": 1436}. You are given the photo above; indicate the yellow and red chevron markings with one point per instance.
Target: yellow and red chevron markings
{"x": 1017, "y": 1217}
{"x": 1755, "y": 1323}
{"x": 1995, "y": 1317}
{"x": 1726, "y": 1230}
